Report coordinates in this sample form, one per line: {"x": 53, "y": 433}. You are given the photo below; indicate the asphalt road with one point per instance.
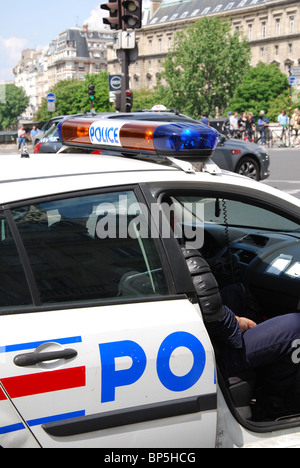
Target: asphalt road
{"x": 285, "y": 168}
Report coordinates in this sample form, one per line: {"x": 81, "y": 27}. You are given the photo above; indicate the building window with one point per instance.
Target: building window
{"x": 264, "y": 29}
{"x": 159, "y": 45}
{"x": 292, "y": 24}
{"x": 164, "y": 18}
{"x": 149, "y": 79}
{"x": 150, "y": 46}
{"x": 290, "y": 46}
{"x": 288, "y": 67}
{"x": 218, "y": 8}
{"x": 277, "y": 29}
{"x": 262, "y": 52}
{"x": 276, "y": 50}
{"x": 250, "y": 32}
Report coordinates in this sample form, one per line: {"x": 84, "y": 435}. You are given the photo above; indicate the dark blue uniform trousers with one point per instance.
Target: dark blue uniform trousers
{"x": 270, "y": 347}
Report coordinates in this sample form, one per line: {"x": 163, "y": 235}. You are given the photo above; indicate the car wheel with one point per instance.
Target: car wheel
{"x": 248, "y": 167}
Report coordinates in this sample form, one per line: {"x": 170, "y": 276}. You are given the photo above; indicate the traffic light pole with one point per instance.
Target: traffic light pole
{"x": 124, "y": 79}
{"x": 124, "y": 15}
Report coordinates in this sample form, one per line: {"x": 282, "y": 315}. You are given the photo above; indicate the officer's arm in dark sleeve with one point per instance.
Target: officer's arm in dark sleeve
{"x": 220, "y": 321}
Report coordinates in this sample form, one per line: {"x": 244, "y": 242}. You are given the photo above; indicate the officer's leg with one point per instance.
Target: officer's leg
{"x": 270, "y": 345}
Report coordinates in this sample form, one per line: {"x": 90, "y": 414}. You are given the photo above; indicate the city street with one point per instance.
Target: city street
{"x": 285, "y": 168}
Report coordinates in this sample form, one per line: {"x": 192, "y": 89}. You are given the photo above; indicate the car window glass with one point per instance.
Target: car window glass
{"x": 239, "y": 214}
{"x": 90, "y": 248}
{"x": 52, "y": 132}
{"x": 14, "y": 291}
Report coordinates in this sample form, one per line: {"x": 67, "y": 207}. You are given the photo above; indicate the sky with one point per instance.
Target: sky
{"x": 33, "y": 24}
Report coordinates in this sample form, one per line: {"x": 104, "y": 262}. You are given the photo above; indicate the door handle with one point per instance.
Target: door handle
{"x": 30, "y": 359}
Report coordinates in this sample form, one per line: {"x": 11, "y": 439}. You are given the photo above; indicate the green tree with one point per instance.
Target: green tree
{"x": 280, "y": 102}
{"x": 205, "y": 66}
{"x": 259, "y": 88}
{"x": 144, "y": 99}
{"x": 14, "y": 104}
{"x": 72, "y": 96}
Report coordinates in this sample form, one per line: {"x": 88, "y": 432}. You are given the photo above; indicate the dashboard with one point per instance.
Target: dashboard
{"x": 267, "y": 262}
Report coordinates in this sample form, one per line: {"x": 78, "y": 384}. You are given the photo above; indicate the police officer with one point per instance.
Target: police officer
{"x": 241, "y": 344}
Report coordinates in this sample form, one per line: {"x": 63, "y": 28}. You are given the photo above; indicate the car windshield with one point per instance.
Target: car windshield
{"x": 52, "y": 132}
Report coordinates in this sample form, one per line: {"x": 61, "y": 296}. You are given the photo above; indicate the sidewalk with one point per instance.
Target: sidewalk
{"x": 13, "y": 149}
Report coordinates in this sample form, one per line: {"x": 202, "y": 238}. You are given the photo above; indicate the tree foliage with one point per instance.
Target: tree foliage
{"x": 144, "y": 99}
{"x": 281, "y": 102}
{"x": 261, "y": 85}
{"x": 15, "y": 102}
{"x": 206, "y": 64}
{"x": 72, "y": 96}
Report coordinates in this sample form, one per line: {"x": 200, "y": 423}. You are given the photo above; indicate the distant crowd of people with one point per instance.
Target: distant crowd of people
{"x": 245, "y": 127}
{"x": 285, "y": 123}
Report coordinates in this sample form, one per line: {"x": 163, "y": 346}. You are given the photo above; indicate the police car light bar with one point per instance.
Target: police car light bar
{"x": 177, "y": 139}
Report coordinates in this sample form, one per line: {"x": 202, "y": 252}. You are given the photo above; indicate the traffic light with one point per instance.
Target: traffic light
{"x": 129, "y": 100}
{"x": 118, "y": 96}
{"x": 92, "y": 92}
{"x": 132, "y": 14}
{"x": 114, "y": 20}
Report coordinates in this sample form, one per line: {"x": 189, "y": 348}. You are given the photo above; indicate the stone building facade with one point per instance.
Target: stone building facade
{"x": 271, "y": 26}
{"x": 74, "y": 53}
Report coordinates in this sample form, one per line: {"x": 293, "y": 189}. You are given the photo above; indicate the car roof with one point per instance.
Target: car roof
{"x": 135, "y": 115}
{"x": 49, "y": 174}
{"x": 151, "y": 115}
{"x": 44, "y": 174}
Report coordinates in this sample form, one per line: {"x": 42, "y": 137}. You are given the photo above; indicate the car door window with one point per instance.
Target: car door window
{"x": 92, "y": 247}
{"x": 238, "y": 213}
{"x": 14, "y": 291}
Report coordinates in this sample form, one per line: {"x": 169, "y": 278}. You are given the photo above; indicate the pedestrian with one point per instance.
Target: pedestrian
{"x": 226, "y": 124}
{"x": 22, "y": 137}
{"x": 250, "y": 127}
{"x": 33, "y": 132}
{"x": 263, "y": 124}
{"x": 242, "y": 125}
{"x": 296, "y": 124}
{"x": 283, "y": 121}
{"x": 204, "y": 119}
{"x": 234, "y": 124}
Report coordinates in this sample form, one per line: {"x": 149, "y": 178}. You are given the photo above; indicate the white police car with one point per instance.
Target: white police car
{"x": 102, "y": 340}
